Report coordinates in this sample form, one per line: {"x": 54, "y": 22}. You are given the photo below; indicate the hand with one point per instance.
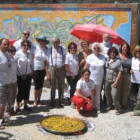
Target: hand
{"x": 83, "y": 62}
{"x": 48, "y": 77}
{"x": 131, "y": 72}
{"x": 115, "y": 84}
{"x": 90, "y": 102}
{"x": 72, "y": 75}
{"x": 30, "y": 74}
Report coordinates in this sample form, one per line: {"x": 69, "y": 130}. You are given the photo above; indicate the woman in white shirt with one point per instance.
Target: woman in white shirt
{"x": 40, "y": 56}
{"x": 12, "y": 94}
{"x": 24, "y": 71}
{"x": 95, "y": 63}
{"x": 135, "y": 72}
{"x": 72, "y": 66}
{"x": 84, "y": 90}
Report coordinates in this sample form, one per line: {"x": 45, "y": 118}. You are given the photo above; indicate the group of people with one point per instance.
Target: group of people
{"x": 87, "y": 72}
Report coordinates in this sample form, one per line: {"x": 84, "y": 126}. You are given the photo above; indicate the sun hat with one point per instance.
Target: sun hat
{"x": 41, "y": 37}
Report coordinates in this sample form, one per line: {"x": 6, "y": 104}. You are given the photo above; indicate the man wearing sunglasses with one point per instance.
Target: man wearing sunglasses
{"x": 25, "y": 36}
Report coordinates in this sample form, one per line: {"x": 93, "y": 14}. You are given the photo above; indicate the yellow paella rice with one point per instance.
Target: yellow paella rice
{"x": 63, "y": 124}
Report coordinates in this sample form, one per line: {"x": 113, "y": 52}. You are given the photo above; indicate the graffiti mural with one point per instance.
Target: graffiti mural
{"x": 58, "y": 23}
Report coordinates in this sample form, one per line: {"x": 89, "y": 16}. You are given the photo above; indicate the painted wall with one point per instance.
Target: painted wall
{"x": 50, "y": 20}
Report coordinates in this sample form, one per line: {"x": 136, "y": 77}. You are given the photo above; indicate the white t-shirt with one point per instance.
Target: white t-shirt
{"x": 96, "y": 67}
{"x": 73, "y": 62}
{"x": 105, "y": 47}
{"x": 135, "y": 77}
{"x": 5, "y": 69}
{"x": 14, "y": 71}
{"x": 40, "y": 55}
{"x": 85, "y": 87}
{"x": 18, "y": 46}
{"x": 23, "y": 62}
{"x": 56, "y": 57}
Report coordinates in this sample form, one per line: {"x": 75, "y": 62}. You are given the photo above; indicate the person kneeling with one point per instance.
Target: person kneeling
{"x": 85, "y": 89}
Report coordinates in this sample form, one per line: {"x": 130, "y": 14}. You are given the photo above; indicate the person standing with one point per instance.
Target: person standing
{"x": 112, "y": 77}
{"x": 5, "y": 76}
{"x": 56, "y": 72}
{"x": 72, "y": 67}
{"x": 106, "y": 44}
{"x": 40, "y": 56}
{"x": 24, "y": 71}
{"x": 12, "y": 94}
{"x": 95, "y": 63}
{"x": 124, "y": 82}
{"x": 135, "y": 72}
{"x": 25, "y": 36}
{"x": 83, "y": 55}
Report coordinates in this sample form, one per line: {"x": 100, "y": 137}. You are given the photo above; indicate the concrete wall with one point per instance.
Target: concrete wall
{"x": 57, "y": 20}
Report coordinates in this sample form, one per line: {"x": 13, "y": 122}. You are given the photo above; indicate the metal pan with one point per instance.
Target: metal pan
{"x": 80, "y": 131}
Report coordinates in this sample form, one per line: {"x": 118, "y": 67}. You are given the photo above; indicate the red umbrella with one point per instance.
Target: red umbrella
{"x": 11, "y": 42}
{"x": 94, "y": 33}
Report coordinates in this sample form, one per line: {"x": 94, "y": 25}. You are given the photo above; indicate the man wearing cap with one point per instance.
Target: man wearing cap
{"x": 40, "y": 60}
{"x": 25, "y": 36}
{"x": 105, "y": 45}
{"x": 56, "y": 60}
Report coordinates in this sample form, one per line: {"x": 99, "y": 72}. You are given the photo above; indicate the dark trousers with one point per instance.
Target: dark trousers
{"x": 38, "y": 77}
{"x": 23, "y": 88}
{"x": 72, "y": 82}
{"x": 134, "y": 88}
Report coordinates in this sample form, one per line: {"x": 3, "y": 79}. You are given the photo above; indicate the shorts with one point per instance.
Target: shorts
{"x": 4, "y": 90}
{"x": 38, "y": 77}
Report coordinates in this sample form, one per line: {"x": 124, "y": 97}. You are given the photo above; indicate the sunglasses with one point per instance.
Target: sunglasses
{"x": 26, "y": 45}
{"x": 96, "y": 48}
{"x": 26, "y": 34}
{"x": 113, "y": 52}
{"x": 72, "y": 48}
{"x": 13, "y": 52}
{"x": 137, "y": 51}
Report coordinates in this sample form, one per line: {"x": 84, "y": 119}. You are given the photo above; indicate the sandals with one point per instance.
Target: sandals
{"x": 108, "y": 109}
{"x": 6, "y": 121}
{"x": 2, "y": 127}
{"x": 117, "y": 112}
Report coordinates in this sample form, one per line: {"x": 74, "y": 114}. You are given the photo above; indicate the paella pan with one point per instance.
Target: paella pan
{"x": 61, "y": 124}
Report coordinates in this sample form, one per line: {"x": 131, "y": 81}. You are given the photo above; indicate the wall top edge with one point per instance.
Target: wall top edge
{"x": 71, "y": 5}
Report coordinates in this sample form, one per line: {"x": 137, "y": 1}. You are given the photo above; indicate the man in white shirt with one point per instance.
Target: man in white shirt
{"x": 25, "y": 36}
{"x": 5, "y": 76}
{"x": 105, "y": 45}
{"x": 56, "y": 74}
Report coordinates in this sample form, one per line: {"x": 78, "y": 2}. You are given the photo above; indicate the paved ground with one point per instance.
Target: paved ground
{"x": 108, "y": 126}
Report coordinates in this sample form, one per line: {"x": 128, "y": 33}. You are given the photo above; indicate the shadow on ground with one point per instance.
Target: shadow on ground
{"x": 5, "y": 135}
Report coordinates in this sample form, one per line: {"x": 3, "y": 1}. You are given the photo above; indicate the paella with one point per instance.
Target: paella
{"x": 61, "y": 124}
